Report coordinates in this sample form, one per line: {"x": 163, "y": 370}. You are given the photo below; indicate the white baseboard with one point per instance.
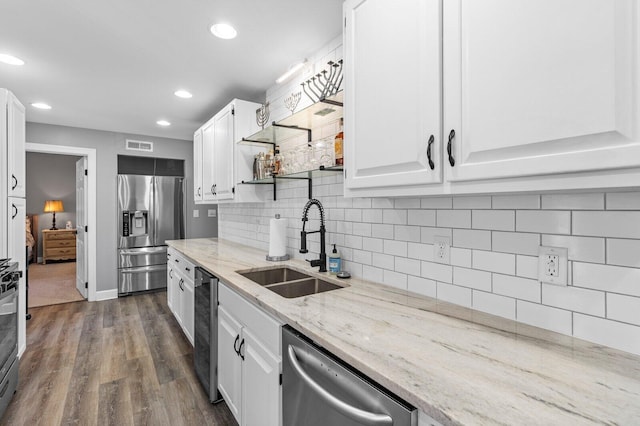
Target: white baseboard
{"x": 106, "y": 294}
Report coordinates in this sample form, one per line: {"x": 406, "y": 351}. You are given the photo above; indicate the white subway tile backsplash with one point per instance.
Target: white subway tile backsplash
{"x": 373, "y": 244}
{"x": 353, "y": 215}
{"x": 454, "y": 294}
{"x": 422, "y": 217}
{"x": 384, "y": 261}
{"x": 574, "y": 299}
{"x": 583, "y": 249}
{"x": 353, "y": 241}
{"x": 407, "y": 203}
{"x": 548, "y": 222}
{"x": 615, "y": 279}
{"x": 437, "y": 272}
{"x": 394, "y": 279}
{"x": 547, "y": 317}
{"x": 436, "y": 203}
{"x": 427, "y": 234}
{"x": 502, "y": 263}
{"x": 479, "y": 280}
{"x": 498, "y": 220}
{"x": 372, "y": 215}
{"x": 471, "y": 239}
{"x": 382, "y": 231}
{"x": 472, "y": 202}
{"x": 623, "y": 308}
{"x": 609, "y": 333}
{"x": 623, "y": 201}
{"x": 494, "y": 304}
{"x": 396, "y": 248}
{"x": 362, "y": 203}
{"x": 516, "y": 287}
{"x": 515, "y": 242}
{"x": 361, "y": 256}
{"x": 420, "y": 251}
{"x": 623, "y": 252}
{"x": 396, "y": 217}
{"x": 460, "y": 257}
{"x": 345, "y": 227}
{"x": 527, "y": 266}
{"x": 406, "y": 233}
{"x": 625, "y": 224}
{"x": 453, "y": 218}
{"x": 382, "y": 203}
{"x": 573, "y": 202}
{"x": 372, "y": 273}
{"x": 421, "y": 286}
{"x": 528, "y": 202}
{"x": 408, "y": 266}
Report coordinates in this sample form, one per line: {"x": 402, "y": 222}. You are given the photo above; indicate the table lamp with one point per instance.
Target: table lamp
{"x": 53, "y": 206}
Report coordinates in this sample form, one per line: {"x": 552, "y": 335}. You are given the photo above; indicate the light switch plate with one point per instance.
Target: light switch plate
{"x": 212, "y": 213}
{"x": 442, "y": 249}
{"x": 553, "y": 265}
{"x": 196, "y": 213}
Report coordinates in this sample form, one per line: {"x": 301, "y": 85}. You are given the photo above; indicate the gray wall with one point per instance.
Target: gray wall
{"x": 108, "y": 145}
{"x": 51, "y": 177}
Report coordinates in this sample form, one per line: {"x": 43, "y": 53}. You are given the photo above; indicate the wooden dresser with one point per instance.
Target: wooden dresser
{"x": 59, "y": 244}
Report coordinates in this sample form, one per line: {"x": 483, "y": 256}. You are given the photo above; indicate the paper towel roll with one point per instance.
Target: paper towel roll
{"x": 277, "y": 237}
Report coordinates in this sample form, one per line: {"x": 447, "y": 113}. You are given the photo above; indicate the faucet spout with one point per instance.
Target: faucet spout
{"x": 322, "y": 261}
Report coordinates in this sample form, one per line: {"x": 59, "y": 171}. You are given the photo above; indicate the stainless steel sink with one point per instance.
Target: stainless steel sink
{"x": 274, "y": 275}
{"x": 288, "y": 282}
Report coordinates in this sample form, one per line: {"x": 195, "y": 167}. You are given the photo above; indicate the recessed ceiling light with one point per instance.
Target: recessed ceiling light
{"x": 163, "y": 123}
{"x": 11, "y": 60}
{"x": 294, "y": 69}
{"x": 224, "y": 31}
{"x": 41, "y": 105}
{"x": 183, "y": 94}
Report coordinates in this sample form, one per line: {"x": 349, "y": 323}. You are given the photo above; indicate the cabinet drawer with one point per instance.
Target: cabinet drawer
{"x": 67, "y": 235}
{"x": 61, "y": 243}
{"x": 185, "y": 266}
{"x": 67, "y": 252}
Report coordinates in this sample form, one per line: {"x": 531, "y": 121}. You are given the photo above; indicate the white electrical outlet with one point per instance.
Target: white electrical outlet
{"x": 212, "y": 213}
{"x": 441, "y": 249}
{"x": 196, "y": 213}
{"x": 552, "y": 265}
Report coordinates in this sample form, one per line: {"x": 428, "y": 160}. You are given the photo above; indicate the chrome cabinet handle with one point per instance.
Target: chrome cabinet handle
{"x": 354, "y": 413}
{"x": 15, "y": 211}
{"x": 15, "y": 182}
{"x": 431, "y": 140}
{"x": 452, "y": 161}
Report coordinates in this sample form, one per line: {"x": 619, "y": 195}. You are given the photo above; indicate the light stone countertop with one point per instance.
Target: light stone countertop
{"x": 439, "y": 357}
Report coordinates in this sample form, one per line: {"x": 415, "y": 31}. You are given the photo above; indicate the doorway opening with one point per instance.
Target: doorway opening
{"x": 68, "y": 254}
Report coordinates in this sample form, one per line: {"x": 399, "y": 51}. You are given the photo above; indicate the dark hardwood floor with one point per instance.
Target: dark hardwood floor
{"x": 117, "y": 362}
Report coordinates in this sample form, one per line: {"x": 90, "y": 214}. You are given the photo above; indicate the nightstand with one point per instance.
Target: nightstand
{"x": 59, "y": 244}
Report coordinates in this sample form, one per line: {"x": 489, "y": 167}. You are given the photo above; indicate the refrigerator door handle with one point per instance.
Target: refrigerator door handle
{"x": 139, "y": 252}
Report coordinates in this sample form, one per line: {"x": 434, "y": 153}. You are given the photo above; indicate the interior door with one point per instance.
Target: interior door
{"x": 82, "y": 276}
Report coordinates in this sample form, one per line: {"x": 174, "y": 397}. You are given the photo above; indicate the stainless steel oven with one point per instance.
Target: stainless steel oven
{"x": 9, "y": 280}
{"x": 319, "y": 389}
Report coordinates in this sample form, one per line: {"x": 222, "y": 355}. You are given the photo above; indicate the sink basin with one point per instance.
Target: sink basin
{"x": 288, "y": 282}
{"x": 274, "y": 275}
{"x": 301, "y": 288}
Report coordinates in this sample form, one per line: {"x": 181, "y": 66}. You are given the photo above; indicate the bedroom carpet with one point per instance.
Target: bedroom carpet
{"x": 52, "y": 284}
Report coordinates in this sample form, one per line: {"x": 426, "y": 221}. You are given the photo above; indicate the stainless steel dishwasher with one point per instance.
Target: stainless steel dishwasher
{"x": 318, "y": 390}
{"x": 205, "y": 352}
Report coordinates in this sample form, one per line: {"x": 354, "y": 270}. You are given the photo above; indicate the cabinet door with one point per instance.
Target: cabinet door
{"x": 539, "y": 87}
{"x": 261, "y": 383}
{"x": 229, "y": 363}
{"x": 16, "y": 251}
{"x": 223, "y": 153}
{"x": 208, "y": 162}
{"x": 392, "y": 92}
{"x": 197, "y": 165}
{"x": 188, "y": 309}
{"x": 15, "y": 147}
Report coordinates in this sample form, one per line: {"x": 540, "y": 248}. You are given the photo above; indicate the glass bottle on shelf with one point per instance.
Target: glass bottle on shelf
{"x": 277, "y": 162}
{"x": 338, "y": 145}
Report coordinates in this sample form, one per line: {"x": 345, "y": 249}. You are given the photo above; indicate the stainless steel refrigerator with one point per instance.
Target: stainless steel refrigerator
{"x": 150, "y": 211}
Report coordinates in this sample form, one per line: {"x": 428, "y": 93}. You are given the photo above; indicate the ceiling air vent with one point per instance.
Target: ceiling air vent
{"x": 139, "y": 146}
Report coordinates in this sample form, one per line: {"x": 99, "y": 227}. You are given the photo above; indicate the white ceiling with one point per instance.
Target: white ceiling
{"x": 114, "y": 64}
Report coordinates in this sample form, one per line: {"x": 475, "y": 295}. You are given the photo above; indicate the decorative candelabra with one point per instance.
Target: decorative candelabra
{"x": 291, "y": 102}
{"x": 325, "y": 83}
{"x": 262, "y": 115}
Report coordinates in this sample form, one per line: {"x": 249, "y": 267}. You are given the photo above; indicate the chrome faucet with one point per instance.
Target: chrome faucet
{"x": 322, "y": 261}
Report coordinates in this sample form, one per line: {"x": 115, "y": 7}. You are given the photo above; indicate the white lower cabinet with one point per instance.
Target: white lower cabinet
{"x": 180, "y": 294}
{"x": 249, "y": 360}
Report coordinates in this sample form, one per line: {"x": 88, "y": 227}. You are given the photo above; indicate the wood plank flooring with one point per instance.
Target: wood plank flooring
{"x": 117, "y": 362}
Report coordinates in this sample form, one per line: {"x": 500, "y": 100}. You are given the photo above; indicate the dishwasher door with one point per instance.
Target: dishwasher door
{"x": 318, "y": 390}
{"x": 205, "y": 351}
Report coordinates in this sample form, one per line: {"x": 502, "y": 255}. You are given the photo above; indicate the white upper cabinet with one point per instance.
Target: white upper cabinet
{"x": 13, "y": 143}
{"x": 219, "y": 162}
{"x": 540, "y": 87}
{"x": 392, "y": 93}
{"x": 536, "y": 95}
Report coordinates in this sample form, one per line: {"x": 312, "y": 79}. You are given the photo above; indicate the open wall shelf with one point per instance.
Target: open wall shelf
{"x": 307, "y": 175}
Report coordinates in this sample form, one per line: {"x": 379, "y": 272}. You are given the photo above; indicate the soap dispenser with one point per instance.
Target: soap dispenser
{"x": 335, "y": 262}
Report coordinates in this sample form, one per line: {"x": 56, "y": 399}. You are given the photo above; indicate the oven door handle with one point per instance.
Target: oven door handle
{"x": 354, "y": 413}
